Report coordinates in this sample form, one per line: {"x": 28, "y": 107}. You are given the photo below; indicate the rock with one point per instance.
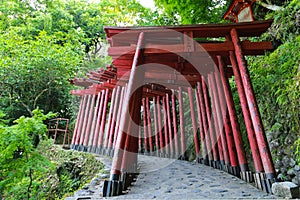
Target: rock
{"x": 104, "y": 176}
{"x": 296, "y": 180}
{"x": 292, "y": 162}
{"x": 283, "y": 169}
{"x": 285, "y": 189}
{"x": 291, "y": 172}
{"x": 285, "y": 161}
{"x": 278, "y": 164}
{"x": 297, "y": 168}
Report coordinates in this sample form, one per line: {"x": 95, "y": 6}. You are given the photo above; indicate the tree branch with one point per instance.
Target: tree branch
{"x": 269, "y": 6}
{"x": 38, "y": 96}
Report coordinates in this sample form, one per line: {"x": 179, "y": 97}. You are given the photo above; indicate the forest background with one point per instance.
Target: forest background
{"x": 44, "y": 43}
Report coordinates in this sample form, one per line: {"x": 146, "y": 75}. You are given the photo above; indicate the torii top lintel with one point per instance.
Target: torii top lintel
{"x": 170, "y": 45}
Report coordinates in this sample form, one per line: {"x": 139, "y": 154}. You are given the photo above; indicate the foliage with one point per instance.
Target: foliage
{"x": 43, "y": 43}
{"x": 20, "y": 165}
{"x": 72, "y": 170}
{"x": 276, "y": 80}
{"x": 32, "y": 168}
{"x": 193, "y": 11}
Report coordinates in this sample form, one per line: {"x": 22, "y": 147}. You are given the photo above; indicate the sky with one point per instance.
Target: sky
{"x": 147, "y": 3}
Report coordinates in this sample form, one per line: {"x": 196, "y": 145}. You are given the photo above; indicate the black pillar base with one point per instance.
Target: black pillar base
{"x": 236, "y": 171}
{"x": 264, "y": 181}
{"x": 247, "y": 176}
{"x": 112, "y": 188}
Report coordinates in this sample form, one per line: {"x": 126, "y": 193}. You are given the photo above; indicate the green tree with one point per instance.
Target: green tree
{"x": 20, "y": 163}
{"x": 194, "y": 11}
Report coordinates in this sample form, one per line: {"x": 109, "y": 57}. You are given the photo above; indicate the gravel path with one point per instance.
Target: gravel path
{"x": 176, "y": 180}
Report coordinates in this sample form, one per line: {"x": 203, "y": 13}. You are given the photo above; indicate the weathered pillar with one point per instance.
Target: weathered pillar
{"x": 78, "y": 122}
{"x": 161, "y": 138}
{"x": 169, "y": 124}
{"x": 109, "y": 122}
{"x": 114, "y": 185}
{"x": 149, "y": 126}
{"x": 156, "y": 131}
{"x": 233, "y": 163}
{"x": 254, "y": 111}
{"x": 84, "y": 125}
{"x": 206, "y": 137}
{"x": 174, "y": 113}
{"x": 192, "y": 111}
{"x": 166, "y": 130}
{"x": 181, "y": 121}
{"x": 222, "y": 138}
{"x": 235, "y": 127}
{"x": 146, "y": 139}
{"x": 213, "y": 141}
{"x": 96, "y": 121}
{"x": 100, "y": 141}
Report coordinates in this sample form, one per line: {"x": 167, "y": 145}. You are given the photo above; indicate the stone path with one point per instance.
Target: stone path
{"x": 177, "y": 180}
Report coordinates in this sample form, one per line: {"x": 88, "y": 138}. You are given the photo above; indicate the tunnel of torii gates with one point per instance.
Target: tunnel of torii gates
{"x": 165, "y": 80}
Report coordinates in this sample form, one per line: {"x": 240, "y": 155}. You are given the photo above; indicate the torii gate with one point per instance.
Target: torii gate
{"x": 155, "y": 69}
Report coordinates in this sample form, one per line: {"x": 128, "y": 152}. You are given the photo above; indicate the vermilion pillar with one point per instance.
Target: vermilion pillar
{"x": 192, "y": 111}
{"x": 78, "y": 122}
{"x": 169, "y": 120}
{"x": 85, "y": 120}
{"x": 254, "y": 111}
{"x": 213, "y": 141}
{"x": 161, "y": 138}
{"x": 114, "y": 186}
{"x": 181, "y": 121}
{"x": 206, "y": 137}
{"x": 96, "y": 121}
{"x": 100, "y": 141}
{"x": 149, "y": 126}
{"x": 216, "y": 96}
{"x": 235, "y": 127}
{"x": 227, "y": 126}
{"x": 156, "y": 132}
{"x": 174, "y": 113}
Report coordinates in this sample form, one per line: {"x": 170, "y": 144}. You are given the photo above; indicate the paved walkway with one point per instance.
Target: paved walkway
{"x": 177, "y": 180}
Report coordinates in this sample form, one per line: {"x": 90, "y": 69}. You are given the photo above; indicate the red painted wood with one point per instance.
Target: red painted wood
{"x": 247, "y": 118}
{"x": 201, "y": 127}
{"x": 254, "y": 111}
{"x": 213, "y": 142}
{"x": 181, "y": 121}
{"x": 146, "y": 140}
{"x": 77, "y": 141}
{"x": 175, "y": 125}
{"x": 169, "y": 120}
{"x": 192, "y": 111}
{"x": 227, "y": 125}
{"x": 119, "y": 114}
{"x": 156, "y": 131}
{"x": 90, "y": 120}
{"x": 80, "y": 110}
{"x": 100, "y": 142}
{"x": 220, "y": 116}
{"x": 165, "y": 129}
{"x": 97, "y": 119}
{"x": 110, "y": 114}
{"x": 161, "y": 138}
{"x": 235, "y": 125}
{"x": 204, "y": 121}
{"x": 149, "y": 125}
{"x": 215, "y": 114}
{"x": 118, "y": 154}
{"x": 112, "y": 135}
{"x": 85, "y": 120}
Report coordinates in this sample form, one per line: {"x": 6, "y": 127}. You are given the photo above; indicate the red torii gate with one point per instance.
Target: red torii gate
{"x": 156, "y": 68}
